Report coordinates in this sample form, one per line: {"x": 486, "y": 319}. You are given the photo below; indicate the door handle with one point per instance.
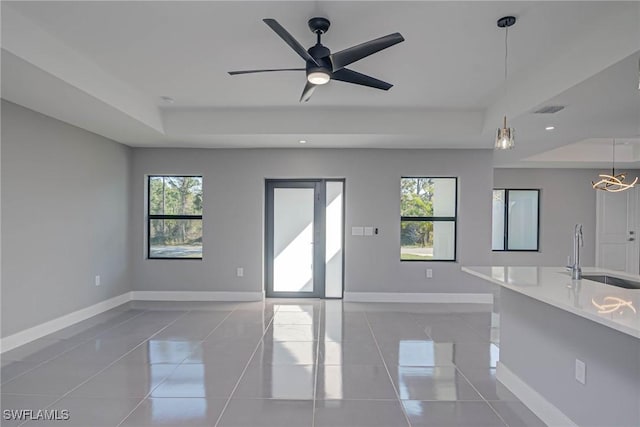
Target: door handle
{"x": 630, "y": 239}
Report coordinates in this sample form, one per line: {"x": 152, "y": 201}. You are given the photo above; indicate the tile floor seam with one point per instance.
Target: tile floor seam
{"x": 66, "y": 351}
{"x": 375, "y": 340}
{"x": 100, "y": 371}
{"x": 498, "y": 414}
{"x": 218, "y": 325}
{"x": 177, "y": 365}
{"x": 171, "y": 373}
{"x": 104, "y": 369}
{"x": 164, "y": 379}
{"x": 224, "y": 408}
{"x": 481, "y": 395}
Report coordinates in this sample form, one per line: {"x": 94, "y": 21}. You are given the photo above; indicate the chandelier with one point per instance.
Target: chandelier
{"x": 613, "y": 183}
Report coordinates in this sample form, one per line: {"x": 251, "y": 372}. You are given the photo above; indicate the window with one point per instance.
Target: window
{"x": 515, "y": 220}
{"x": 174, "y": 228}
{"x": 428, "y": 209}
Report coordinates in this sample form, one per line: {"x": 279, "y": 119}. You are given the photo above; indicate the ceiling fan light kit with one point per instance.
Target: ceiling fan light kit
{"x": 323, "y": 66}
{"x": 318, "y": 77}
{"x": 505, "y": 136}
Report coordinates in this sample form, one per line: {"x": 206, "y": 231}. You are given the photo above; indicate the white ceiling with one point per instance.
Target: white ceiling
{"x": 105, "y": 65}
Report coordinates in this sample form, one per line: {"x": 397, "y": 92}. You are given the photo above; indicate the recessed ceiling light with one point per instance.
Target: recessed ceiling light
{"x": 550, "y": 128}
{"x": 167, "y": 99}
{"x": 302, "y": 141}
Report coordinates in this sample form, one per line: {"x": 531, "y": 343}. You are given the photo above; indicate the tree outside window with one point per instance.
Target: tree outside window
{"x": 428, "y": 219}
{"x": 175, "y": 217}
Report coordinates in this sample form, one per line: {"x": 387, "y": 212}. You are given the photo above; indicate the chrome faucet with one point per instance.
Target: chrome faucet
{"x": 578, "y": 242}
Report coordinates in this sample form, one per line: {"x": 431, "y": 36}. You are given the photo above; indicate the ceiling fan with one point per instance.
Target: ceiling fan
{"x": 322, "y": 65}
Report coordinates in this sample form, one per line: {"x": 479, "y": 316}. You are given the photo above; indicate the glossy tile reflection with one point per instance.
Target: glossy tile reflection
{"x": 441, "y": 383}
{"x": 196, "y": 412}
{"x": 269, "y": 364}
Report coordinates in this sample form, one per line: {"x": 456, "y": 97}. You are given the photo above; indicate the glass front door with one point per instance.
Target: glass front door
{"x": 293, "y": 226}
{"x": 304, "y": 238}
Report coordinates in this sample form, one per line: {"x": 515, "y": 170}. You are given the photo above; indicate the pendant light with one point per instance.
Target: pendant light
{"x": 613, "y": 183}
{"x": 505, "y": 137}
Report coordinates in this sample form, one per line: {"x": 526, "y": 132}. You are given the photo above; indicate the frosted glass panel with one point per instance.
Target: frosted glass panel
{"x": 293, "y": 239}
{"x": 497, "y": 234}
{"x": 523, "y": 220}
{"x": 444, "y": 240}
{"x": 334, "y": 230}
{"x": 444, "y": 197}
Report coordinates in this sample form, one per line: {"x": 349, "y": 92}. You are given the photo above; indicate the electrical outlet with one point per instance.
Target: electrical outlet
{"x": 429, "y": 273}
{"x": 581, "y": 371}
{"x": 239, "y": 272}
{"x": 97, "y": 281}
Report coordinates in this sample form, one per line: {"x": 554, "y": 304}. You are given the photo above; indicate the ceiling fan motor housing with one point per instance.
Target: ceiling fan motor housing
{"x": 321, "y": 55}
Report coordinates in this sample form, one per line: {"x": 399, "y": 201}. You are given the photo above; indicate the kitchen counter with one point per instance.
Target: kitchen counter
{"x": 569, "y": 350}
{"x": 615, "y": 307}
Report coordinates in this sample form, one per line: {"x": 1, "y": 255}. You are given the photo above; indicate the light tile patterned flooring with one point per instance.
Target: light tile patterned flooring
{"x": 281, "y": 363}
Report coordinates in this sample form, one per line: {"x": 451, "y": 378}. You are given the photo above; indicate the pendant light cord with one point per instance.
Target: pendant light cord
{"x": 506, "y": 56}
{"x": 613, "y": 166}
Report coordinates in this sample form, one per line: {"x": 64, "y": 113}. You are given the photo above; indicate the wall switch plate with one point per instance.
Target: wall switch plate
{"x": 239, "y": 272}
{"x": 368, "y": 231}
{"x": 429, "y": 273}
{"x": 97, "y": 281}
{"x": 357, "y": 231}
{"x": 581, "y": 371}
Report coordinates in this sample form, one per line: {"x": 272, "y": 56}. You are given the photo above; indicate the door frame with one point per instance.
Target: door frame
{"x": 633, "y": 228}
{"x": 318, "y": 236}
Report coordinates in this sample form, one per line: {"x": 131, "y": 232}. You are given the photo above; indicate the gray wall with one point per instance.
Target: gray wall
{"x": 65, "y": 218}
{"x": 234, "y": 215}
{"x": 540, "y": 343}
{"x": 566, "y": 198}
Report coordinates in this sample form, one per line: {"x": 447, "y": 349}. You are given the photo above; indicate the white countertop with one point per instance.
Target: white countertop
{"x": 615, "y": 307}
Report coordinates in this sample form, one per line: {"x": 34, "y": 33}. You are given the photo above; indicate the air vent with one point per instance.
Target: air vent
{"x": 549, "y": 109}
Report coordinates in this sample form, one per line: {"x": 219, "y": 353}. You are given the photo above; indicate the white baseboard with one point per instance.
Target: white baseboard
{"x": 23, "y": 337}
{"x": 545, "y": 410}
{"x": 20, "y": 338}
{"x": 419, "y": 297}
{"x": 195, "y": 296}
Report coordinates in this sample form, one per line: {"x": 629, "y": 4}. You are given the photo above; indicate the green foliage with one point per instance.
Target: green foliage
{"x": 416, "y": 200}
{"x": 416, "y": 197}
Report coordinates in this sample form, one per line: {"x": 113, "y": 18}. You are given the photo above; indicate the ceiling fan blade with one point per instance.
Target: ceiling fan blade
{"x": 307, "y": 92}
{"x": 288, "y": 38}
{"x": 347, "y": 56}
{"x": 350, "y": 76}
{"x": 233, "y": 73}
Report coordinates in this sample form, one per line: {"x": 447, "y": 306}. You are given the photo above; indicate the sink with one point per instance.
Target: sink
{"x": 613, "y": 281}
